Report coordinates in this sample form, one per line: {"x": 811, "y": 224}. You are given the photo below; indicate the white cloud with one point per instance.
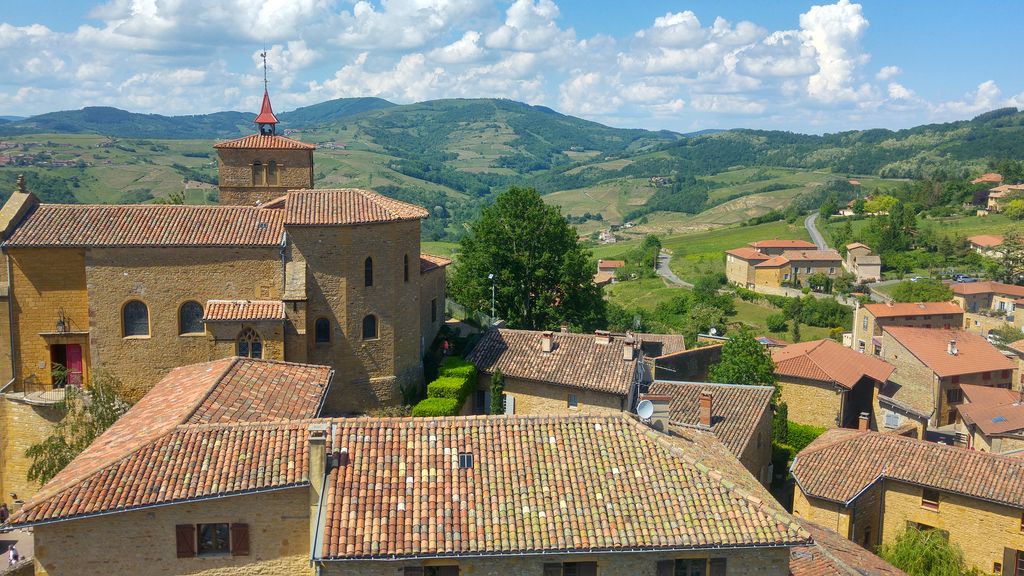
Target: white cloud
{"x": 898, "y": 91}
{"x": 529, "y": 27}
{"x": 888, "y": 72}
{"x": 465, "y": 49}
{"x": 986, "y": 97}
{"x": 835, "y": 31}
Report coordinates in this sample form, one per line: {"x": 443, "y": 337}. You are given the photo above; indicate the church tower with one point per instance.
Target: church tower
{"x": 257, "y": 168}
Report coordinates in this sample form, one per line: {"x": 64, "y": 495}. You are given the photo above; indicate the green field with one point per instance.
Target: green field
{"x": 445, "y": 249}
{"x": 612, "y": 199}
{"x": 694, "y": 255}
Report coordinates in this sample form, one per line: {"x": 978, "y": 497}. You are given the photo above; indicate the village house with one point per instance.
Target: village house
{"x": 991, "y": 419}
{"x": 566, "y": 373}
{"x": 825, "y": 384}
{"x": 607, "y": 271}
{"x": 986, "y": 244}
{"x": 769, "y": 264}
{"x": 278, "y": 271}
{"x": 870, "y": 319}
{"x": 998, "y": 196}
{"x": 988, "y": 178}
{"x": 931, "y": 365}
{"x": 989, "y": 305}
{"x": 873, "y": 486}
{"x": 739, "y": 416}
{"x": 862, "y": 263}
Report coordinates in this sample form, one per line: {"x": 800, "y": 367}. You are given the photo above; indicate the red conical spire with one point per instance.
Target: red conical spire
{"x": 266, "y": 112}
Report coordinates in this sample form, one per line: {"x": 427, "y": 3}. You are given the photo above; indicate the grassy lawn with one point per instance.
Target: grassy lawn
{"x": 695, "y": 255}
{"x": 445, "y": 249}
{"x": 754, "y": 314}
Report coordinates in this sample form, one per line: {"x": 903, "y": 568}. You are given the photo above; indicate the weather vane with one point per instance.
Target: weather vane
{"x": 264, "y": 56}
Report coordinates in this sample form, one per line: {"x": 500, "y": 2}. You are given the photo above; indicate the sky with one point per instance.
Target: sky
{"x": 677, "y": 65}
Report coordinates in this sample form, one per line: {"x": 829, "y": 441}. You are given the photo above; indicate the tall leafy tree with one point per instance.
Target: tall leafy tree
{"x": 1009, "y": 268}
{"x": 542, "y": 276}
{"x": 744, "y": 361}
{"x": 924, "y": 553}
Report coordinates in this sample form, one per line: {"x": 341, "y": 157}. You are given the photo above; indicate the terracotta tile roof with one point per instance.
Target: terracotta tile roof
{"x": 812, "y": 255}
{"x": 988, "y": 177}
{"x": 611, "y": 263}
{"x": 346, "y": 206}
{"x": 147, "y": 225}
{"x": 892, "y": 310}
{"x": 1005, "y": 188}
{"x": 987, "y": 287}
{"x": 239, "y": 310}
{"x": 537, "y": 485}
{"x": 428, "y": 262}
{"x": 775, "y": 262}
{"x": 747, "y": 253}
{"x": 929, "y": 345}
{"x": 986, "y": 240}
{"x": 576, "y": 360}
{"x": 171, "y": 424}
{"x": 794, "y": 244}
{"x": 828, "y": 361}
{"x": 839, "y": 465}
{"x": 992, "y": 410}
{"x": 735, "y": 410}
{"x": 833, "y": 555}
{"x": 602, "y": 278}
{"x": 658, "y": 345}
{"x": 857, "y": 245}
{"x": 1018, "y": 345}
{"x": 266, "y": 142}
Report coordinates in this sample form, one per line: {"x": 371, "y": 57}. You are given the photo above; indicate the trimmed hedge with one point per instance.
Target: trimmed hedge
{"x": 450, "y": 387}
{"x": 457, "y": 367}
{"x": 437, "y": 407}
{"x": 800, "y": 435}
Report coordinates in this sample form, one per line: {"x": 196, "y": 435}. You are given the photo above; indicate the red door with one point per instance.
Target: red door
{"x": 73, "y": 358}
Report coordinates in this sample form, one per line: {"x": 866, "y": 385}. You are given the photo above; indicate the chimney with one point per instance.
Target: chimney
{"x": 864, "y": 422}
{"x": 602, "y": 337}
{"x": 705, "y": 409}
{"x": 564, "y": 328}
{"x": 951, "y": 348}
{"x": 629, "y": 348}
{"x": 662, "y": 406}
{"x": 545, "y": 341}
{"x": 318, "y": 452}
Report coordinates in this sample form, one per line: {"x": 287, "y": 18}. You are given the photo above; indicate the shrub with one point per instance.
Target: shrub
{"x": 780, "y": 424}
{"x": 747, "y": 294}
{"x": 457, "y": 367}
{"x": 450, "y": 387}
{"x": 437, "y": 407}
{"x": 800, "y": 435}
{"x": 782, "y": 455}
{"x": 776, "y": 323}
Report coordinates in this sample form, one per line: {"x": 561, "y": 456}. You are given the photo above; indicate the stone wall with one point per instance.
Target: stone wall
{"x": 21, "y": 426}
{"x": 545, "y": 399}
{"x": 811, "y": 401}
{"x": 758, "y": 453}
{"x": 143, "y": 541}
{"x": 828, "y": 514}
{"x": 739, "y": 562}
{"x": 738, "y": 271}
{"x": 235, "y": 174}
{"x": 432, "y": 295}
{"x": 873, "y": 327}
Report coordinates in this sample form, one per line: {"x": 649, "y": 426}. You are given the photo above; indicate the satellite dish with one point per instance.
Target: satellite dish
{"x": 645, "y": 409}
{"x": 713, "y": 331}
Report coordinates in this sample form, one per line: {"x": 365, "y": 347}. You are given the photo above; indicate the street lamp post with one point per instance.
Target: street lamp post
{"x": 491, "y": 278}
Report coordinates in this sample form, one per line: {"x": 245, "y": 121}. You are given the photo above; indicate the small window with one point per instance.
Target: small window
{"x": 368, "y": 271}
{"x": 214, "y": 539}
{"x": 986, "y": 375}
{"x": 249, "y": 344}
{"x": 190, "y": 318}
{"x": 433, "y": 310}
{"x": 272, "y": 173}
{"x": 831, "y": 270}
{"x": 136, "y": 319}
{"x": 257, "y": 174}
{"x": 785, "y": 277}
{"x": 405, "y": 267}
{"x": 808, "y": 269}
{"x": 370, "y": 327}
{"x": 930, "y": 499}
{"x": 954, "y": 396}
{"x": 571, "y": 569}
{"x": 323, "y": 331}
{"x": 573, "y": 401}
{"x": 465, "y": 460}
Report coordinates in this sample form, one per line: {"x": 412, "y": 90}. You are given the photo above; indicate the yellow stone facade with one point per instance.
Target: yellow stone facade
{"x": 549, "y": 399}
{"x": 235, "y": 174}
{"x": 811, "y": 402}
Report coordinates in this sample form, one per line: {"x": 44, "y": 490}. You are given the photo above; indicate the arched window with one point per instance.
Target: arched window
{"x": 405, "y": 267}
{"x": 257, "y": 173}
{"x": 135, "y": 319}
{"x": 249, "y": 344}
{"x": 190, "y": 318}
{"x": 368, "y": 271}
{"x": 323, "y": 330}
{"x": 370, "y": 327}
{"x": 272, "y": 173}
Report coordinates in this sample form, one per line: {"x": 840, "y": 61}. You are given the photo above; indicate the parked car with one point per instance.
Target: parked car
{"x": 959, "y": 277}
{"x": 993, "y": 338}
{"x": 967, "y": 279}
{"x": 916, "y": 278}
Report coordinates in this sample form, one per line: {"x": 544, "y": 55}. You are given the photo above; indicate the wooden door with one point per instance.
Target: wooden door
{"x": 73, "y": 357}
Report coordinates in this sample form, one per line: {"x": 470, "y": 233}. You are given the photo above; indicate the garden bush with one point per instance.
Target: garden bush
{"x": 451, "y": 387}
{"x": 457, "y": 367}
{"x": 800, "y": 435}
{"x": 437, "y": 407}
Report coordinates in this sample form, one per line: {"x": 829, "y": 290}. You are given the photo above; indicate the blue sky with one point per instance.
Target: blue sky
{"x": 783, "y": 64}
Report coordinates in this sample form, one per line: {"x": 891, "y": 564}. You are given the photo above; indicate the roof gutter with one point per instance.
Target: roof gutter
{"x": 327, "y": 390}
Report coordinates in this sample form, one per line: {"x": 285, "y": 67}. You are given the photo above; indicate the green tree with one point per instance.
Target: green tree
{"x": 1008, "y": 334}
{"x": 542, "y": 276}
{"x": 744, "y": 361}
{"x": 776, "y": 322}
{"x": 924, "y": 553}
{"x": 922, "y": 291}
{"x": 497, "y": 393}
{"x": 86, "y": 414}
{"x": 794, "y": 333}
{"x": 880, "y": 203}
{"x": 701, "y": 318}
{"x": 1009, "y": 268}
{"x": 1015, "y": 209}
{"x": 820, "y": 282}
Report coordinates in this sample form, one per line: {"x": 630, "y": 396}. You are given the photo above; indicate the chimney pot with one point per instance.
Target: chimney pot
{"x": 318, "y": 450}
{"x": 602, "y": 337}
{"x": 951, "y": 348}
{"x": 546, "y": 339}
{"x": 564, "y": 328}
{"x": 864, "y": 422}
{"x": 705, "y": 409}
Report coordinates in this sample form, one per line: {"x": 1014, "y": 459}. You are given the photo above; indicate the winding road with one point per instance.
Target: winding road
{"x": 665, "y": 272}
{"x": 812, "y": 229}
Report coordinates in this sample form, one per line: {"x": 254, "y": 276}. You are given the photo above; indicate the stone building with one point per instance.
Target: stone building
{"x": 870, "y": 319}
{"x": 990, "y": 419}
{"x": 865, "y": 265}
{"x": 872, "y": 486}
{"x": 825, "y": 384}
{"x": 565, "y": 373}
{"x": 280, "y": 271}
{"x": 989, "y": 305}
{"x": 767, "y": 265}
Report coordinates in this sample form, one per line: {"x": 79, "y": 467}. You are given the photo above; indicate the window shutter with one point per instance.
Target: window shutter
{"x": 717, "y": 567}
{"x": 185, "y": 534}
{"x": 413, "y": 571}
{"x": 239, "y": 539}
{"x": 666, "y": 567}
{"x": 1009, "y": 561}
{"x": 586, "y": 568}
{"x": 552, "y": 569}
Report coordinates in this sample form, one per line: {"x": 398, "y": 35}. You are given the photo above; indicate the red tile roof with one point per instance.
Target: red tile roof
{"x": 265, "y": 142}
{"x": 336, "y": 207}
{"x": 986, "y": 240}
{"x": 537, "y": 485}
{"x": 857, "y": 245}
{"x": 239, "y": 310}
{"x": 611, "y": 263}
{"x": 576, "y": 360}
{"x": 834, "y": 555}
{"x": 892, "y": 310}
{"x": 988, "y": 177}
{"x": 775, "y": 262}
{"x": 266, "y": 115}
{"x": 747, "y": 253}
{"x": 841, "y": 464}
{"x": 828, "y": 361}
{"x": 992, "y": 410}
{"x": 169, "y": 425}
{"x": 78, "y": 225}
{"x": 794, "y": 244}
{"x": 987, "y": 287}
{"x": 930, "y": 346}
{"x": 812, "y": 255}
{"x": 735, "y": 410}
{"x": 1018, "y": 345}
{"x": 429, "y": 262}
